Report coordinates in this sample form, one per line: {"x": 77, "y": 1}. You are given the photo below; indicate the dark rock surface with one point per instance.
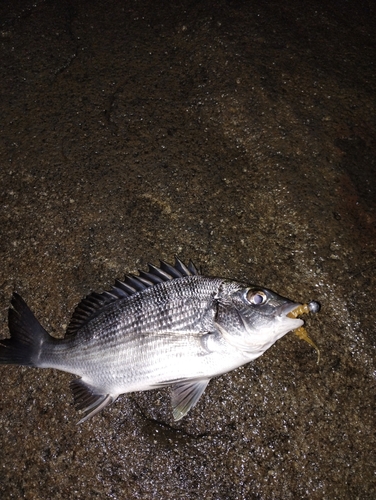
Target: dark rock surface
{"x": 240, "y": 134}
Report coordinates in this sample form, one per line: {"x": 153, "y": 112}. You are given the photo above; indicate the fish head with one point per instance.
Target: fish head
{"x": 253, "y": 318}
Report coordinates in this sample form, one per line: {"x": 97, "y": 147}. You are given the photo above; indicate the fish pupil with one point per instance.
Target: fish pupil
{"x": 256, "y": 298}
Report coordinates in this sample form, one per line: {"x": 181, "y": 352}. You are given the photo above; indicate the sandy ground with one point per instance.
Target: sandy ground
{"x": 240, "y": 135}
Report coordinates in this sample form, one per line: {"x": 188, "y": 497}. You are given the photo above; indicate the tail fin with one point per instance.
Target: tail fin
{"x": 27, "y": 336}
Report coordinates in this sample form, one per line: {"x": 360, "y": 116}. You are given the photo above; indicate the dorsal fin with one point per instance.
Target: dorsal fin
{"x": 92, "y": 305}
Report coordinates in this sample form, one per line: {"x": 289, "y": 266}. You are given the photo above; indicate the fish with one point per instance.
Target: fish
{"x": 168, "y": 326}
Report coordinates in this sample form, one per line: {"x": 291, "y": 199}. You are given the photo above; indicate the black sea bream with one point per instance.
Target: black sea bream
{"x": 167, "y": 326}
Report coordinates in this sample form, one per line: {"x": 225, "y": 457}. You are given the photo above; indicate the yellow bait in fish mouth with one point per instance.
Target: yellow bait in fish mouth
{"x": 301, "y": 332}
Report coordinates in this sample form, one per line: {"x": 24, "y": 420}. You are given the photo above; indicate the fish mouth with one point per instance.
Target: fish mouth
{"x": 301, "y": 331}
{"x": 284, "y": 311}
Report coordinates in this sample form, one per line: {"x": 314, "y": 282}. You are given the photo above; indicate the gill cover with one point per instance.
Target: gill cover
{"x": 254, "y": 319}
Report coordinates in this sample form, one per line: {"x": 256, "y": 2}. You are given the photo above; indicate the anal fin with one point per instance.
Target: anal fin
{"x": 185, "y": 395}
{"x": 88, "y": 399}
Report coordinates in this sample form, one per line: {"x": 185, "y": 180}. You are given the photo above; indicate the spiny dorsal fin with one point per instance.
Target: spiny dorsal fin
{"x": 93, "y": 304}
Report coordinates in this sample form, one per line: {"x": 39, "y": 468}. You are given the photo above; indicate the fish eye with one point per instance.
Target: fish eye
{"x": 256, "y": 297}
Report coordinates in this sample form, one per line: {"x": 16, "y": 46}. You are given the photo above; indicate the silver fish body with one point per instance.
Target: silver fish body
{"x": 167, "y": 326}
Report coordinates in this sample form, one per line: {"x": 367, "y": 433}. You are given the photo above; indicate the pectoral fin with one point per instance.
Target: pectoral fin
{"x": 185, "y": 395}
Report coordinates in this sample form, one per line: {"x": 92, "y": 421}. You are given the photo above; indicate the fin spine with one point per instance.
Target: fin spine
{"x": 93, "y": 304}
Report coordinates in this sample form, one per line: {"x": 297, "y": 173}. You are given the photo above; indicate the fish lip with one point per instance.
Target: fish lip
{"x": 285, "y": 309}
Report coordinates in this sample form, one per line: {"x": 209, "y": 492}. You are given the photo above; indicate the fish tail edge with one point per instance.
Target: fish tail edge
{"x": 27, "y": 336}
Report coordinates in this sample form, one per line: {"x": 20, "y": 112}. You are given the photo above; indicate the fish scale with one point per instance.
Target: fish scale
{"x": 167, "y": 326}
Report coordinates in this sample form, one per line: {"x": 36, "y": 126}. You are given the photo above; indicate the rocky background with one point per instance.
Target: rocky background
{"x": 242, "y": 135}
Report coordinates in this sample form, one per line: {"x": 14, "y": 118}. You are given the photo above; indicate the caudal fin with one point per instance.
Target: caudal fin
{"x": 27, "y": 336}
